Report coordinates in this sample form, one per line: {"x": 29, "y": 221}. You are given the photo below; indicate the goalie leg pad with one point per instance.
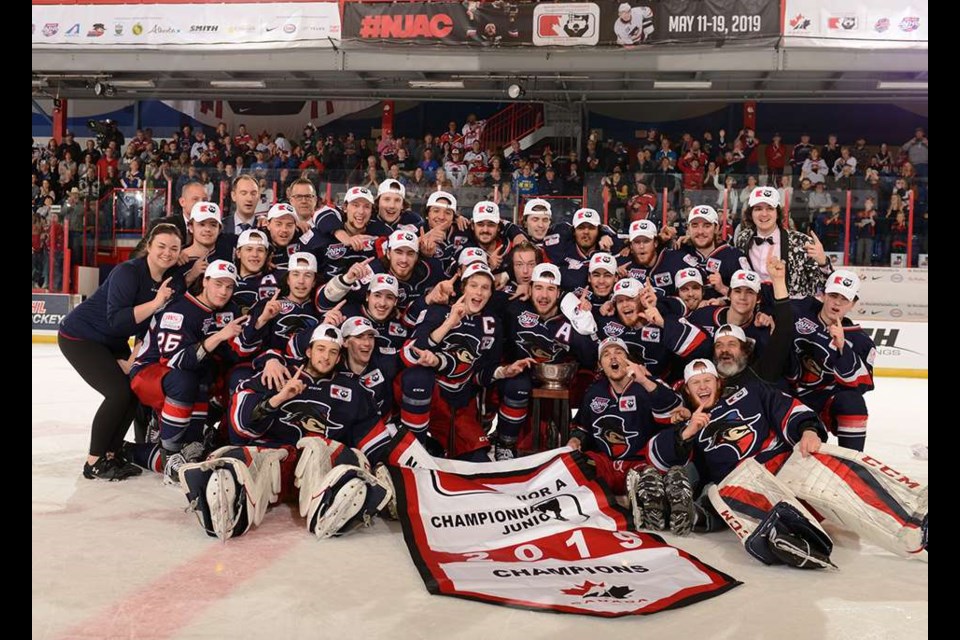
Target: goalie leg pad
{"x": 348, "y": 497}
{"x": 864, "y": 495}
{"x": 383, "y": 477}
{"x": 318, "y": 456}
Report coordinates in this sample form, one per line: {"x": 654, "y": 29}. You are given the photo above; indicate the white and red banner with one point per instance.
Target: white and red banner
{"x": 190, "y": 25}
{"x": 537, "y": 533}
{"x": 856, "y": 24}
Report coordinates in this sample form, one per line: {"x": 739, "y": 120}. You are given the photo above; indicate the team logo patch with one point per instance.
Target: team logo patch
{"x": 628, "y": 403}
{"x": 871, "y": 357}
{"x": 292, "y": 249}
{"x": 371, "y": 379}
{"x": 171, "y": 321}
{"x": 223, "y": 319}
{"x": 573, "y": 263}
{"x": 552, "y": 239}
{"x": 613, "y": 329}
{"x": 396, "y": 329}
{"x": 286, "y": 306}
{"x": 806, "y": 326}
{"x": 739, "y": 395}
{"x": 340, "y": 393}
{"x": 528, "y": 319}
{"x": 51, "y": 29}
{"x": 713, "y": 265}
{"x": 690, "y": 260}
{"x": 486, "y": 343}
{"x": 266, "y": 292}
{"x": 336, "y": 251}
{"x": 650, "y": 334}
{"x": 599, "y": 405}
{"x": 662, "y": 279}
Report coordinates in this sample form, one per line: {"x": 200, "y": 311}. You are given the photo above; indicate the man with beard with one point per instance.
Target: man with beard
{"x": 536, "y": 221}
{"x": 493, "y": 235}
{"x": 644, "y": 253}
{"x": 573, "y": 255}
{"x": 702, "y": 249}
{"x": 536, "y": 329}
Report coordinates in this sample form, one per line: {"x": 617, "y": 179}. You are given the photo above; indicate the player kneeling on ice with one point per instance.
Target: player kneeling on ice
{"x": 328, "y": 415}
{"x": 759, "y": 452}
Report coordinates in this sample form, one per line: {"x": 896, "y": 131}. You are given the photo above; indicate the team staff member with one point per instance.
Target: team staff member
{"x": 93, "y": 339}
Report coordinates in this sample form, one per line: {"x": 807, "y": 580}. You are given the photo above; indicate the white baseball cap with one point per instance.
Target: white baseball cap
{"x": 384, "y": 282}
{"x": 546, "y": 273}
{"x": 355, "y": 326}
{"x": 358, "y": 193}
{"x": 327, "y": 332}
{"x": 205, "y": 211}
{"x": 745, "y": 278}
{"x": 485, "y": 210}
{"x": 642, "y": 229}
{"x": 302, "y": 261}
{"x": 697, "y": 367}
{"x": 586, "y": 216}
{"x": 844, "y": 282}
{"x": 629, "y": 287}
{"x": 252, "y": 236}
{"x": 687, "y": 275}
{"x": 731, "y": 330}
{"x": 437, "y": 196}
{"x": 391, "y": 185}
{"x": 221, "y": 269}
{"x": 475, "y": 268}
{"x": 603, "y": 260}
{"x": 610, "y": 342}
{"x": 704, "y": 211}
{"x": 767, "y": 195}
{"x": 624, "y": 6}
{"x": 469, "y": 255}
{"x": 403, "y": 238}
{"x": 537, "y": 207}
{"x": 281, "y": 209}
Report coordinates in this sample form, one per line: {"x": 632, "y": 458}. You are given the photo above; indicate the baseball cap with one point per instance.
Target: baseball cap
{"x": 302, "y": 261}
{"x": 704, "y": 211}
{"x": 74, "y": 190}
{"x": 624, "y": 6}
{"x": 475, "y": 268}
{"x": 281, "y": 209}
{"x": 221, "y": 269}
{"x": 472, "y": 254}
{"x": 205, "y": 211}
{"x": 358, "y": 193}
{"x": 537, "y": 207}
{"x": 767, "y": 195}
{"x": 686, "y": 276}
{"x": 546, "y": 273}
{"x": 844, "y": 282}
{"x": 355, "y": 326}
{"x": 629, "y": 287}
{"x": 391, "y": 186}
{"x": 697, "y": 367}
{"x": 403, "y": 238}
{"x": 731, "y": 330}
{"x": 436, "y": 196}
{"x": 586, "y": 216}
{"x": 745, "y": 278}
{"x": 611, "y": 342}
{"x": 327, "y": 332}
{"x": 252, "y": 236}
{"x": 602, "y": 260}
{"x": 486, "y": 211}
{"x": 642, "y": 229}
{"x": 384, "y": 282}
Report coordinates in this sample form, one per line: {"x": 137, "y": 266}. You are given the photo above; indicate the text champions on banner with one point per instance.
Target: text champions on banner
{"x": 599, "y": 23}
{"x": 536, "y": 533}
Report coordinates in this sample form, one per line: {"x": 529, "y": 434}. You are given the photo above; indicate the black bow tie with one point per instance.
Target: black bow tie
{"x": 245, "y": 225}
{"x": 760, "y": 241}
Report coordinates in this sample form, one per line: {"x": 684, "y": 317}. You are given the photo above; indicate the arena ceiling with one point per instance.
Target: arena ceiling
{"x": 720, "y": 74}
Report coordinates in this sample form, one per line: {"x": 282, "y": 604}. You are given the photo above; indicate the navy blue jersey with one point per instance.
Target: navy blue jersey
{"x": 656, "y": 347}
{"x": 426, "y": 273}
{"x": 816, "y": 365}
{"x": 280, "y": 256}
{"x": 106, "y": 316}
{"x": 757, "y": 421}
{"x": 334, "y": 406}
{"x": 712, "y": 318}
{"x": 552, "y": 340}
{"x": 449, "y": 248}
{"x": 333, "y": 256}
{"x": 561, "y": 232}
{"x": 391, "y": 334}
{"x": 724, "y": 260}
{"x": 619, "y": 425}
{"x": 407, "y": 220}
{"x": 377, "y": 378}
{"x": 572, "y": 262}
{"x": 271, "y": 340}
{"x": 508, "y": 235}
{"x": 635, "y": 270}
{"x": 253, "y": 288}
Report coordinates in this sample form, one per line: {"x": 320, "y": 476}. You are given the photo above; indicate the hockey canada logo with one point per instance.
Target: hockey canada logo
{"x": 799, "y": 22}
{"x": 598, "y": 590}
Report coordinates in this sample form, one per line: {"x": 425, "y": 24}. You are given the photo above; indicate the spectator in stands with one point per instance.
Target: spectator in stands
{"x": 68, "y": 144}
{"x": 883, "y": 160}
{"x": 744, "y": 195}
{"x": 67, "y": 165}
{"x": 829, "y": 228}
{"x": 918, "y": 152}
{"x": 691, "y": 166}
{"x": 814, "y": 168}
{"x": 665, "y": 177}
{"x": 550, "y": 184}
{"x": 799, "y": 155}
{"x": 441, "y": 181}
{"x": 573, "y": 180}
{"x": 428, "y": 163}
{"x": 866, "y": 230}
{"x": 55, "y": 242}
{"x": 508, "y": 201}
{"x": 66, "y": 182}
{"x": 830, "y": 151}
{"x": 842, "y": 160}
{"x": 776, "y": 155}
{"x": 39, "y": 250}
{"x": 72, "y": 213}
{"x": 36, "y": 189}
{"x": 728, "y": 196}
{"x": 899, "y": 233}
{"x": 665, "y": 152}
{"x": 642, "y": 205}
{"x": 44, "y": 209}
{"x": 105, "y": 162}
{"x": 884, "y": 226}
{"x": 526, "y": 183}
{"x": 750, "y": 147}
{"x": 819, "y": 200}
{"x": 846, "y": 181}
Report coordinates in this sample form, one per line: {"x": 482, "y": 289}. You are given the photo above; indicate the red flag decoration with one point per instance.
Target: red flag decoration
{"x": 537, "y": 533}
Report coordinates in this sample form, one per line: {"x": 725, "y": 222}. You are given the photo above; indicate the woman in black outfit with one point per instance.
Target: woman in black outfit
{"x": 94, "y": 340}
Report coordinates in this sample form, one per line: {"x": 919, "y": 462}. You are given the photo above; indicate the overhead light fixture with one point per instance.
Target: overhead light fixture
{"x": 39, "y": 82}
{"x": 682, "y": 84}
{"x": 515, "y": 91}
{"x": 99, "y": 88}
{"x": 239, "y": 84}
{"x": 134, "y": 84}
{"x": 436, "y": 84}
{"x": 901, "y": 85}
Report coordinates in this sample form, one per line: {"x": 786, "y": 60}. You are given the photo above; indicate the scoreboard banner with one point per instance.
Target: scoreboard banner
{"x": 537, "y": 533}
{"x": 604, "y": 23}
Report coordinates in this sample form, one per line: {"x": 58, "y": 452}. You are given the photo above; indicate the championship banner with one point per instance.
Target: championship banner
{"x": 853, "y": 24}
{"x": 188, "y": 25}
{"x": 604, "y": 23}
{"x": 537, "y": 533}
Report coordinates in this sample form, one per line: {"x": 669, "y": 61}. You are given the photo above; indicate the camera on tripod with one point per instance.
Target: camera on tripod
{"x": 104, "y": 131}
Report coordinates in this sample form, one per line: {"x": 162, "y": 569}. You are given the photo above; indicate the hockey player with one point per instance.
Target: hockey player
{"x": 644, "y": 251}
{"x": 362, "y": 359}
{"x": 340, "y": 238}
{"x": 573, "y": 256}
{"x": 208, "y": 243}
{"x": 440, "y": 237}
{"x": 744, "y": 293}
{"x": 496, "y": 237}
{"x": 283, "y": 233}
{"x": 391, "y": 208}
{"x": 254, "y": 281}
{"x": 832, "y": 365}
{"x": 634, "y": 24}
{"x": 174, "y": 367}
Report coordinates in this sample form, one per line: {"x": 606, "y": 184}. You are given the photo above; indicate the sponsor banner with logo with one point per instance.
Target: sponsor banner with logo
{"x": 877, "y": 24}
{"x": 609, "y": 23}
{"x": 901, "y": 347}
{"x": 537, "y": 533}
{"x": 895, "y": 294}
{"x": 200, "y": 25}
{"x": 49, "y": 310}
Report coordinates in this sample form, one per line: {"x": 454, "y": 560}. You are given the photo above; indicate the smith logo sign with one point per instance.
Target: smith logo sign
{"x": 409, "y": 26}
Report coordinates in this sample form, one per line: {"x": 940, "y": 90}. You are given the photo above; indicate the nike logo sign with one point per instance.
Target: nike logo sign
{"x": 272, "y": 28}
